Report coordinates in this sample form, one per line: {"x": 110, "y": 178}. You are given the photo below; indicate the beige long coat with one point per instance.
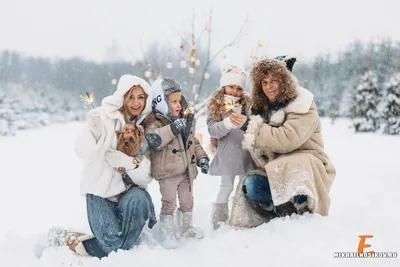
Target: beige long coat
{"x": 290, "y": 149}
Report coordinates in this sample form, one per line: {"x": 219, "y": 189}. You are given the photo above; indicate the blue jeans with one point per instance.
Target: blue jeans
{"x": 118, "y": 225}
{"x": 256, "y": 187}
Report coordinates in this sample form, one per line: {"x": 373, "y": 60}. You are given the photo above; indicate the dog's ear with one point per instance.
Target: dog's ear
{"x": 139, "y": 135}
{"x": 119, "y": 133}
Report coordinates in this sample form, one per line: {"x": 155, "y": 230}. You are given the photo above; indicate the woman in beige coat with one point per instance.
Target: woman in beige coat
{"x": 284, "y": 138}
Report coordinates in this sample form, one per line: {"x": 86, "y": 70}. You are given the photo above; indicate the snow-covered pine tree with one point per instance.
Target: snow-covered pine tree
{"x": 366, "y": 96}
{"x": 392, "y": 106}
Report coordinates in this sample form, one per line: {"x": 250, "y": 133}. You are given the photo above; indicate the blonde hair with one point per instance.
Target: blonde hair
{"x": 216, "y": 105}
{"x": 124, "y": 109}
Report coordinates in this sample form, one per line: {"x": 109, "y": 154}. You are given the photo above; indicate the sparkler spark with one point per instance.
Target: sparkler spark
{"x": 229, "y": 106}
{"x": 88, "y": 99}
{"x": 186, "y": 111}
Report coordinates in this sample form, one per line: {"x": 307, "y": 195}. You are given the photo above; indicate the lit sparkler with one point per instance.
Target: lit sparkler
{"x": 186, "y": 111}
{"x": 88, "y": 99}
{"x": 229, "y": 106}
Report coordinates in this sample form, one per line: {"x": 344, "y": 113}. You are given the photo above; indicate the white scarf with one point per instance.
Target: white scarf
{"x": 234, "y": 100}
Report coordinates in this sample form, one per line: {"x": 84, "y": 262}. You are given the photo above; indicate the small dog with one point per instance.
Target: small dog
{"x": 130, "y": 140}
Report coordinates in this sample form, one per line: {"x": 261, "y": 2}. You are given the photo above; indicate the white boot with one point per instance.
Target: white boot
{"x": 186, "y": 227}
{"x": 73, "y": 240}
{"x": 220, "y": 214}
{"x": 167, "y": 232}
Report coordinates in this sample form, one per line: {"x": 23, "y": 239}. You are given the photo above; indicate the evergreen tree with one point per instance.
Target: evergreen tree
{"x": 364, "y": 108}
{"x": 392, "y": 106}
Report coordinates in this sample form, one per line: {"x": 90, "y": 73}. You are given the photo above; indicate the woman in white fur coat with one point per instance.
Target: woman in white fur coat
{"x": 116, "y": 213}
{"x": 295, "y": 174}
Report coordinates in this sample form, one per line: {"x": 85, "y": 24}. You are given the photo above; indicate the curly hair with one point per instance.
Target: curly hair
{"x": 216, "y": 104}
{"x": 277, "y": 69}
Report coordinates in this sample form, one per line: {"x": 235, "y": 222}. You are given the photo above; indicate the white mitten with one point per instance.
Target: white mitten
{"x": 141, "y": 175}
{"x": 228, "y": 124}
{"x": 94, "y": 123}
{"x": 119, "y": 159}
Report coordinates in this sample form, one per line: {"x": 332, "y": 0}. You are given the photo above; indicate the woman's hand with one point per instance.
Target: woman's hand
{"x": 238, "y": 119}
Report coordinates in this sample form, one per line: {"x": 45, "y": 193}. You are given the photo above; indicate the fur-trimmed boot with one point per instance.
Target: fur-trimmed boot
{"x": 58, "y": 237}
{"x": 167, "y": 232}
{"x": 220, "y": 214}
{"x": 185, "y": 222}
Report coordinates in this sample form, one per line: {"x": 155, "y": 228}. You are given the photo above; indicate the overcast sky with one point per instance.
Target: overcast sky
{"x": 86, "y": 27}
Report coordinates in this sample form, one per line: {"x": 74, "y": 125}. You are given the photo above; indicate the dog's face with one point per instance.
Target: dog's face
{"x": 130, "y": 140}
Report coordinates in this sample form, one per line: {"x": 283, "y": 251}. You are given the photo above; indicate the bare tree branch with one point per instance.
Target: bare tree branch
{"x": 242, "y": 31}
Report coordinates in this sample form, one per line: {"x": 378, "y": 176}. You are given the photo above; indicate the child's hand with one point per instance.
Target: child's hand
{"x": 238, "y": 119}
{"x": 178, "y": 125}
{"x": 204, "y": 165}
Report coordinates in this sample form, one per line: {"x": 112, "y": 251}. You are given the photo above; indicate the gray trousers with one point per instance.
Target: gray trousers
{"x": 118, "y": 225}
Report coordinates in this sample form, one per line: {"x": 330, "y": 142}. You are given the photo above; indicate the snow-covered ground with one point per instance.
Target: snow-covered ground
{"x": 39, "y": 188}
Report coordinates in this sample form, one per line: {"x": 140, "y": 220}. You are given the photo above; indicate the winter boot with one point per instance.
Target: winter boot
{"x": 285, "y": 209}
{"x": 186, "y": 228}
{"x": 301, "y": 204}
{"x": 58, "y": 237}
{"x": 220, "y": 214}
{"x": 265, "y": 210}
{"x": 167, "y": 232}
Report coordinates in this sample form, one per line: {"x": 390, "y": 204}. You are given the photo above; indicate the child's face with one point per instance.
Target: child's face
{"x": 174, "y": 102}
{"x": 233, "y": 90}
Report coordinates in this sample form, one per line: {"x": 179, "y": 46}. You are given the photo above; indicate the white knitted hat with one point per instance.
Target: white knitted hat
{"x": 232, "y": 75}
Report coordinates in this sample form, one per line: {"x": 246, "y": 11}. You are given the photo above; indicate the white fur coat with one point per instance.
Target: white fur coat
{"x": 97, "y": 143}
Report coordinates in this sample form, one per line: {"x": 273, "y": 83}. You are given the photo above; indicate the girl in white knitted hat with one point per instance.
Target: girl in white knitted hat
{"x": 230, "y": 159}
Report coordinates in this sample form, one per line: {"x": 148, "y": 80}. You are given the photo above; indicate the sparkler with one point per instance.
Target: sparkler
{"x": 229, "y": 106}
{"x": 186, "y": 112}
{"x": 88, "y": 99}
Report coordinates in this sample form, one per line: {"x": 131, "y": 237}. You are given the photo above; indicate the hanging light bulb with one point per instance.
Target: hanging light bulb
{"x": 197, "y": 62}
{"x": 114, "y": 81}
{"x": 147, "y": 74}
{"x": 183, "y": 64}
{"x": 192, "y": 70}
{"x": 206, "y": 75}
{"x": 193, "y": 59}
{"x": 169, "y": 65}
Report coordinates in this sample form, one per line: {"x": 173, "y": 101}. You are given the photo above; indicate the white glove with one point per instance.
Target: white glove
{"x": 228, "y": 123}
{"x": 119, "y": 159}
{"x": 94, "y": 123}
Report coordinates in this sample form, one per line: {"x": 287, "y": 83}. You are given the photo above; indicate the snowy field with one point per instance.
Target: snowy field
{"x": 39, "y": 188}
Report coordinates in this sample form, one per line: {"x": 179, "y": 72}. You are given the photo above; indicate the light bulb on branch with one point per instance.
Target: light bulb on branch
{"x": 147, "y": 74}
{"x": 183, "y": 64}
{"x": 192, "y": 70}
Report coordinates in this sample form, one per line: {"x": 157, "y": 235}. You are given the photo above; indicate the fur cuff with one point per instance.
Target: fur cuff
{"x": 254, "y": 124}
{"x": 251, "y": 132}
{"x": 278, "y": 117}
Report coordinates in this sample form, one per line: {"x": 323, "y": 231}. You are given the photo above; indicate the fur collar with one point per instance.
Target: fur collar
{"x": 300, "y": 105}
